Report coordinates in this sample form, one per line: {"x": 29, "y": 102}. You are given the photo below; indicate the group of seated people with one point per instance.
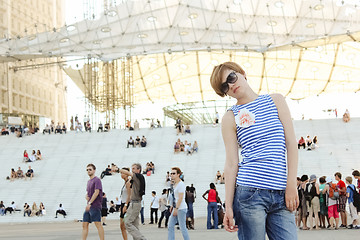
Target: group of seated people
{"x": 153, "y": 125}
{"x": 58, "y": 129}
{"x": 29, "y": 211}
{"x": 104, "y": 128}
{"x": 149, "y": 168}
{"x": 110, "y": 170}
{"x": 219, "y": 178}
{"x": 30, "y": 130}
{"x": 181, "y": 128}
{"x": 12, "y": 208}
{"x": 33, "y": 157}
{"x": 308, "y": 143}
{"x": 137, "y": 142}
{"x": 185, "y": 147}
{"x": 34, "y": 210}
{"x": 4, "y": 131}
{"x": 20, "y": 174}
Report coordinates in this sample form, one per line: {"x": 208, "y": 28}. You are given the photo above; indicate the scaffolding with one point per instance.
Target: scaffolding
{"x": 109, "y": 88}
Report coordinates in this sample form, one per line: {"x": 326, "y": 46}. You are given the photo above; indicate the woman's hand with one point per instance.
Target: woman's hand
{"x": 291, "y": 198}
{"x": 229, "y": 220}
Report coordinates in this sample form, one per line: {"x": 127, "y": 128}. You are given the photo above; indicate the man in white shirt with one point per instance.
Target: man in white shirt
{"x": 154, "y": 207}
{"x": 179, "y": 208}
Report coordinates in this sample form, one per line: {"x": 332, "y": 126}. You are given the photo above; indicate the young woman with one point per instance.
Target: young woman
{"x": 38, "y": 155}
{"x": 179, "y": 208}
{"x": 261, "y": 190}
{"x": 125, "y": 200}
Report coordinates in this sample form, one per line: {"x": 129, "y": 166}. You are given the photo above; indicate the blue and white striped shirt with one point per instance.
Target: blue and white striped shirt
{"x": 263, "y": 146}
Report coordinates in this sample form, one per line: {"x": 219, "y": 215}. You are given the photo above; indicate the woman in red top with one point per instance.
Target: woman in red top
{"x": 26, "y": 156}
{"x": 212, "y": 206}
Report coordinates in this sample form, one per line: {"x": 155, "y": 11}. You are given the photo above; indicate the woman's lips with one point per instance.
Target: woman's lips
{"x": 236, "y": 89}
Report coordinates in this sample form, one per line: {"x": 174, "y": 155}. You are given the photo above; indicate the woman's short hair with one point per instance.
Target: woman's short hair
{"x": 216, "y": 75}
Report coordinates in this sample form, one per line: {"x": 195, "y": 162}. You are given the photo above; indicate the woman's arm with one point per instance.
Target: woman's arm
{"x": 228, "y": 129}
{"x": 291, "y": 195}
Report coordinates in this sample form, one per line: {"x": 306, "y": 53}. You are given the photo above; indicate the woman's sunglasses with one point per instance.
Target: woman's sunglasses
{"x": 231, "y": 78}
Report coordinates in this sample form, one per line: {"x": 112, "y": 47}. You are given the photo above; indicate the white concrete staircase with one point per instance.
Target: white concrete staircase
{"x": 61, "y": 176}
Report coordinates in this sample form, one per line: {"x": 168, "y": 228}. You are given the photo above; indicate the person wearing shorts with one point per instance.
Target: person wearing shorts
{"x": 93, "y": 197}
{"x": 342, "y": 199}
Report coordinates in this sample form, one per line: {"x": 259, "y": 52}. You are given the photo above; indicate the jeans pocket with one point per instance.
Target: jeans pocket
{"x": 246, "y": 195}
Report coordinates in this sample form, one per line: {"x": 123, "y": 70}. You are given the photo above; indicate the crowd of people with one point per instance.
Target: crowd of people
{"x": 323, "y": 201}
{"x": 34, "y": 210}
{"x": 186, "y": 147}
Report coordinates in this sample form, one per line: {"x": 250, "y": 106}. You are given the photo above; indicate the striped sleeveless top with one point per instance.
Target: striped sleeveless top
{"x": 263, "y": 151}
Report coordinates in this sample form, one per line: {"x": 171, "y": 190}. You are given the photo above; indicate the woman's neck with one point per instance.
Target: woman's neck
{"x": 251, "y": 96}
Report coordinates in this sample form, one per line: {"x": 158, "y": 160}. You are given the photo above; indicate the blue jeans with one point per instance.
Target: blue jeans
{"x": 181, "y": 219}
{"x": 190, "y": 211}
{"x": 212, "y": 210}
{"x": 142, "y": 215}
{"x": 259, "y": 211}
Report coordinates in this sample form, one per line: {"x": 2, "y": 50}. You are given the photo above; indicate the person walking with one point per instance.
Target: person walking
{"x": 179, "y": 208}
{"x": 137, "y": 191}
{"x": 212, "y": 196}
{"x": 260, "y": 190}
{"x": 154, "y": 207}
{"x": 125, "y": 201}
{"x": 93, "y": 197}
{"x": 163, "y": 207}
{"x": 190, "y": 199}
{"x": 104, "y": 209}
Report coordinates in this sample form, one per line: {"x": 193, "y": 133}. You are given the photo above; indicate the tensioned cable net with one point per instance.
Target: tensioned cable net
{"x": 297, "y": 48}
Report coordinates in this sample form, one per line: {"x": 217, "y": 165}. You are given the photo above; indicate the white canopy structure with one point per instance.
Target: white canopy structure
{"x": 296, "y": 47}
{"x": 139, "y": 27}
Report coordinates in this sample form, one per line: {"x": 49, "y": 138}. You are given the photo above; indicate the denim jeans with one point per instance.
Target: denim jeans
{"x": 142, "y": 215}
{"x": 212, "y": 210}
{"x": 260, "y": 211}
{"x": 181, "y": 219}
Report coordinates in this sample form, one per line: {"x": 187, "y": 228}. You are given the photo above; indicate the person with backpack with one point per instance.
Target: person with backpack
{"x": 356, "y": 175}
{"x": 342, "y": 199}
{"x": 312, "y": 200}
{"x": 332, "y": 203}
{"x": 303, "y": 210}
{"x": 137, "y": 185}
{"x": 323, "y": 206}
{"x": 351, "y": 193}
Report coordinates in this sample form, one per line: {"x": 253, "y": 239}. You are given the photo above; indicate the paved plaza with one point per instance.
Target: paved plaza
{"x": 72, "y": 231}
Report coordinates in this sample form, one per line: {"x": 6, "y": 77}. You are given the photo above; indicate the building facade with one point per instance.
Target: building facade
{"x": 32, "y": 87}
